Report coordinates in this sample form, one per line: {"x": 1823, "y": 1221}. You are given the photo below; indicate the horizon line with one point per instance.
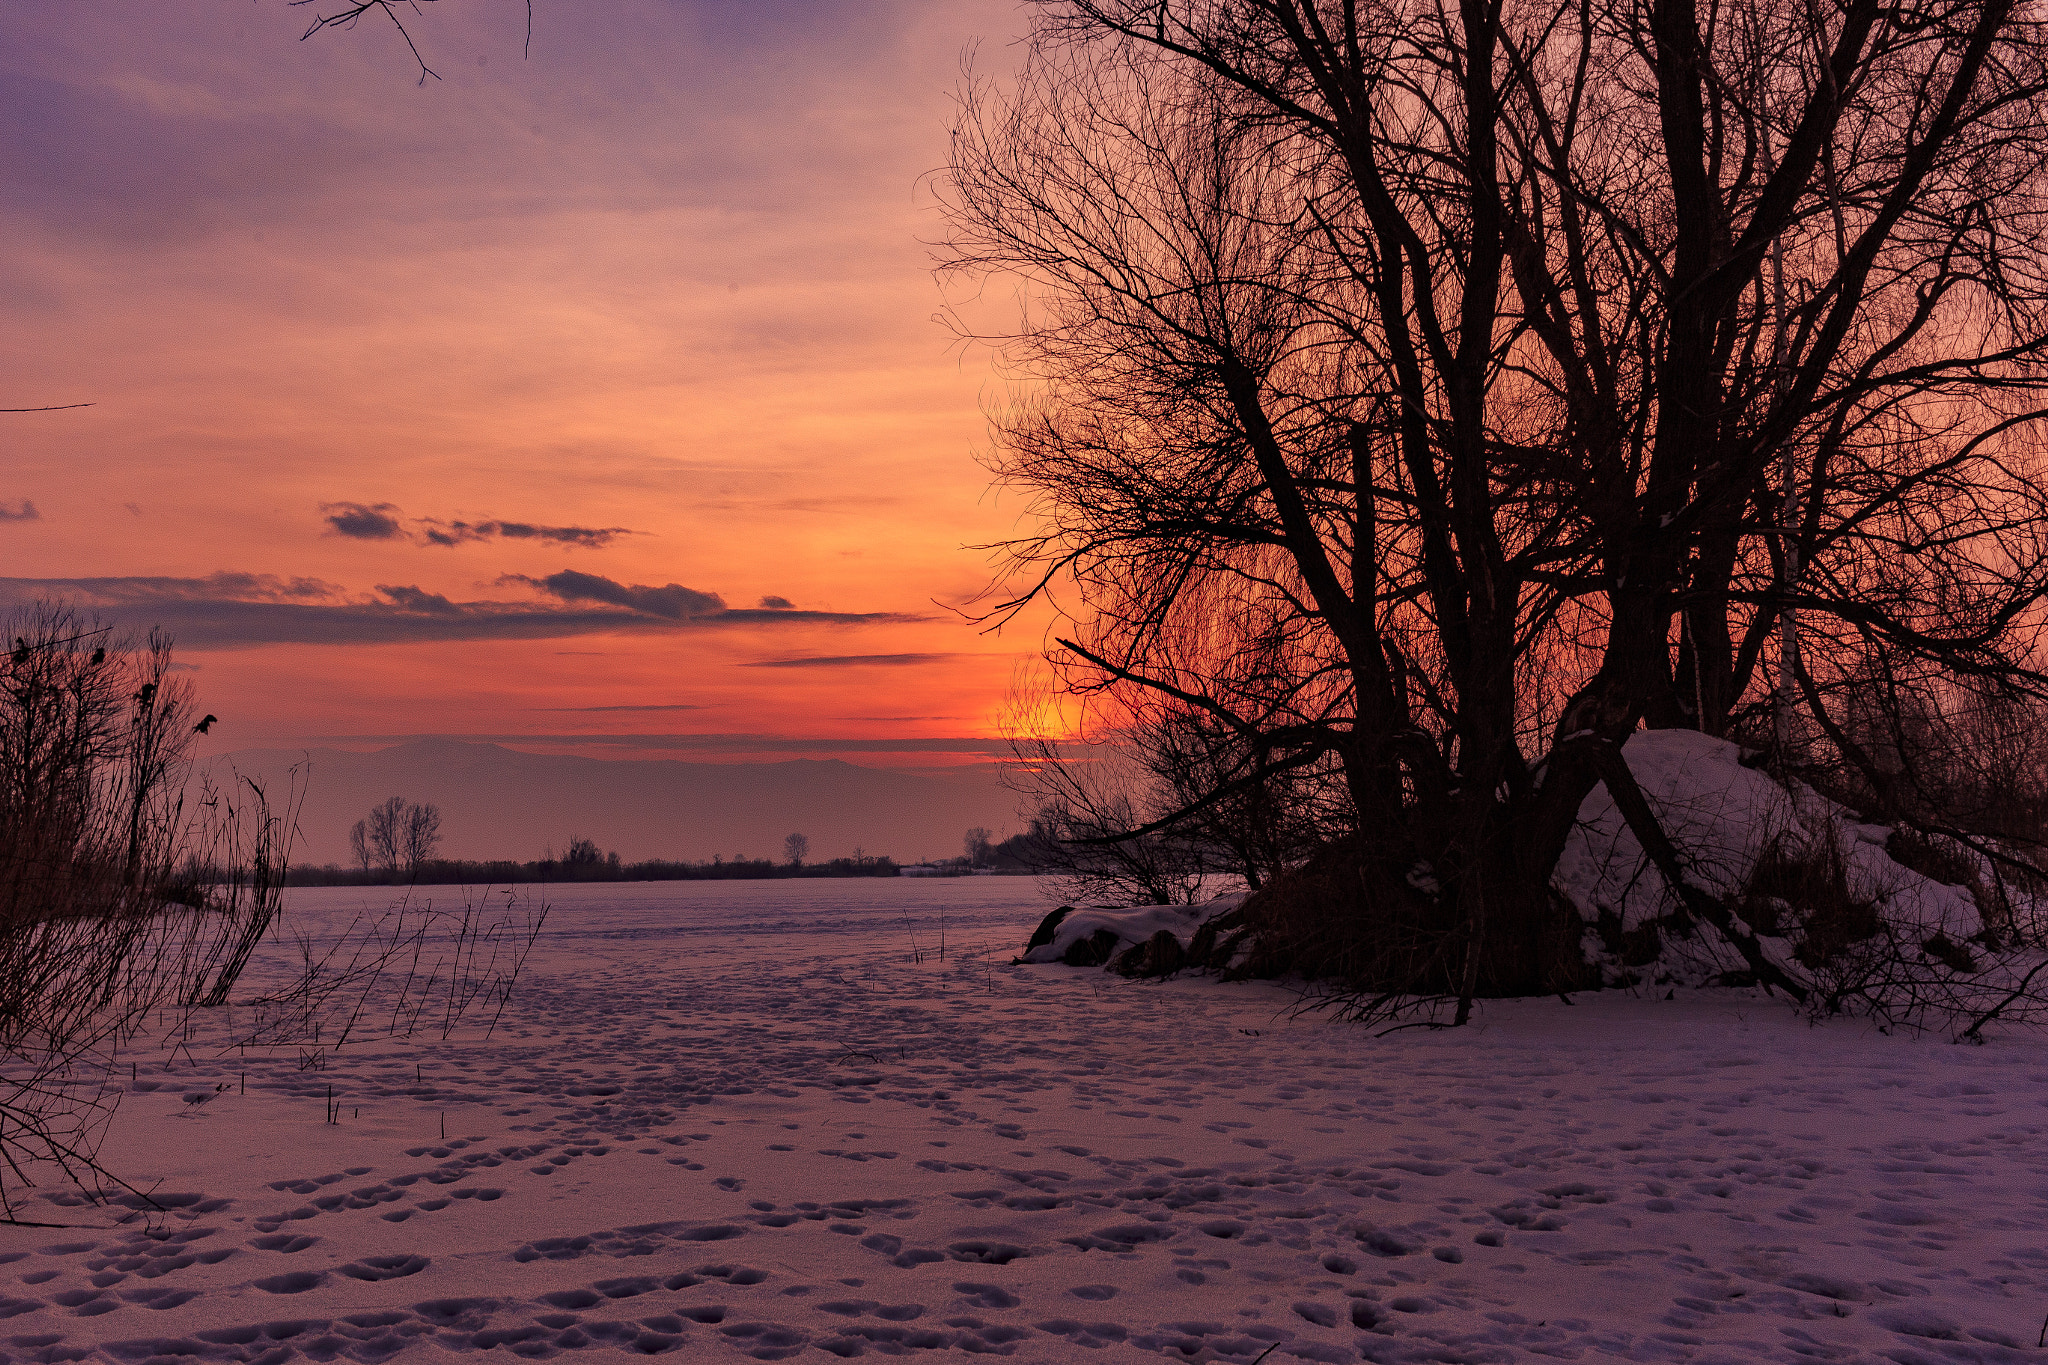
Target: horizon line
{"x": 711, "y": 742}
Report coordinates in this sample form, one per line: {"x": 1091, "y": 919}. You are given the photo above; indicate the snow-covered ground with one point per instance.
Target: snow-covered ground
{"x": 770, "y": 1120}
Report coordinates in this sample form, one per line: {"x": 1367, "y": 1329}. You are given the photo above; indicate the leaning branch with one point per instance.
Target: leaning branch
{"x": 1643, "y": 823}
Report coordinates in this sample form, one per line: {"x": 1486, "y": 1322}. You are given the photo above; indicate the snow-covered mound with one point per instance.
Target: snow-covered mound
{"x": 1805, "y": 877}
{"x": 1724, "y": 817}
{"x": 1091, "y": 935}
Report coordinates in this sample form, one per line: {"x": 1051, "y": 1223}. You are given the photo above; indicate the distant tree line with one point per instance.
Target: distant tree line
{"x": 394, "y": 845}
{"x": 581, "y": 861}
{"x": 471, "y": 872}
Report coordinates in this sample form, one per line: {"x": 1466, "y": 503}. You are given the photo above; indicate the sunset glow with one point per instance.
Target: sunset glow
{"x": 411, "y": 400}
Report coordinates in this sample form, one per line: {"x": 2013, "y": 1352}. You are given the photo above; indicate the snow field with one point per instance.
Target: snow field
{"x": 740, "y": 1120}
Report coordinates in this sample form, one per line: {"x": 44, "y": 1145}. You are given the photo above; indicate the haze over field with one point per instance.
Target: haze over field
{"x": 500, "y": 803}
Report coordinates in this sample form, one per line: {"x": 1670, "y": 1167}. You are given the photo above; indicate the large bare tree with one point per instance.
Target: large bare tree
{"x": 1439, "y": 393}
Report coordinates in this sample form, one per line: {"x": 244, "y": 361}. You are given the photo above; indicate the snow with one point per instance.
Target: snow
{"x": 1132, "y": 925}
{"x": 752, "y": 1120}
{"x": 1722, "y": 814}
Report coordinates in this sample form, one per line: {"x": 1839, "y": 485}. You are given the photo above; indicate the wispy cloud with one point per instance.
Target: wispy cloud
{"x": 711, "y": 743}
{"x": 465, "y": 532}
{"x": 672, "y": 601}
{"x": 853, "y": 661}
{"x": 381, "y": 521}
{"x": 667, "y": 706}
{"x": 239, "y": 587}
{"x": 20, "y": 510}
{"x": 237, "y": 610}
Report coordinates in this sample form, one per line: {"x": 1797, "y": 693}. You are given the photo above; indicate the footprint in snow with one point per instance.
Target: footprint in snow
{"x": 987, "y": 1295}
{"x": 291, "y": 1282}
{"x": 374, "y": 1268}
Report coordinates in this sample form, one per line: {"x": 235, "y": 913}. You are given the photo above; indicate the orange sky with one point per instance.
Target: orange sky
{"x": 662, "y": 278}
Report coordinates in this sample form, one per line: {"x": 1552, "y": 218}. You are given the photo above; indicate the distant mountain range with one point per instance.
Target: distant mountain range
{"x": 500, "y": 803}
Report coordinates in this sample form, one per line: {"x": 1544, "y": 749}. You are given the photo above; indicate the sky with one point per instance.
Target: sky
{"x": 591, "y": 399}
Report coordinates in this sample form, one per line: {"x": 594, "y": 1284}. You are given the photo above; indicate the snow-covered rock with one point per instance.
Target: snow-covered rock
{"x": 1723, "y": 816}
{"x": 1131, "y": 926}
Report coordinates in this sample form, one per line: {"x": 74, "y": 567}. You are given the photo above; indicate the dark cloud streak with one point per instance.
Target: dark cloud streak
{"x": 714, "y": 743}
{"x": 853, "y": 661}
{"x": 357, "y": 521}
{"x": 452, "y": 533}
{"x": 379, "y": 521}
{"x": 666, "y": 706}
{"x": 241, "y": 610}
{"x": 671, "y": 601}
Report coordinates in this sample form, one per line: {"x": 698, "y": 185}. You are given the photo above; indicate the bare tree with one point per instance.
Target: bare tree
{"x": 977, "y": 844}
{"x": 1510, "y": 375}
{"x": 421, "y": 834}
{"x": 386, "y": 833}
{"x": 796, "y": 848}
{"x": 397, "y": 835}
{"x": 1094, "y": 822}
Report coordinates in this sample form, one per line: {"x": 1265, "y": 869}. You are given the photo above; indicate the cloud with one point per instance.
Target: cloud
{"x": 670, "y": 706}
{"x": 852, "y": 661}
{"x": 465, "y": 532}
{"x": 715, "y": 743}
{"x": 671, "y": 601}
{"x": 239, "y": 587}
{"x": 380, "y": 521}
{"x": 23, "y": 510}
{"x": 238, "y": 610}
{"x": 773, "y": 603}
{"x": 411, "y": 598}
{"x": 359, "y": 522}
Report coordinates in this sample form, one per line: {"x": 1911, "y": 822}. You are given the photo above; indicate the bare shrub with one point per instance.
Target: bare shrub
{"x": 412, "y": 969}
{"x": 117, "y": 898}
{"x": 1093, "y": 803}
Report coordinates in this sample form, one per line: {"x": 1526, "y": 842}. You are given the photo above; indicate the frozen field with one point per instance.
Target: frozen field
{"x": 738, "y": 1120}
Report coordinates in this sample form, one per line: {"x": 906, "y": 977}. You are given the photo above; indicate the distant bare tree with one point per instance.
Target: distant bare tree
{"x": 796, "y": 848}
{"x": 397, "y": 835}
{"x": 386, "y": 833}
{"x": 422, "y": 833}
{"x": 978, "y": 844}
